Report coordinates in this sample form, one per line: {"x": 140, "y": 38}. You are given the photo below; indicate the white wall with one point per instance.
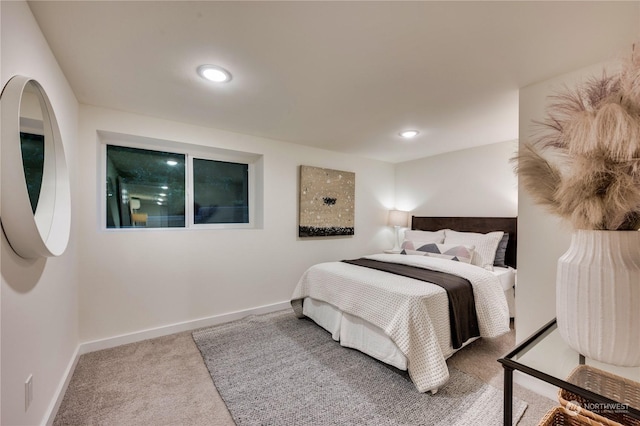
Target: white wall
{"x": 113, "y": 283}
{"x": 132, "y": 281}
{"x": 542, "y": 237}
{"x": 0, "y": 249}
{"x": 39, "y": 311}
{"x": 472, "y": 182}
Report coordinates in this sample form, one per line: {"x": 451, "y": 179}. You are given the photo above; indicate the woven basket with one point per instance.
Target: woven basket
{"x": 614, "y": 387}
{"x": 558, "y": 416}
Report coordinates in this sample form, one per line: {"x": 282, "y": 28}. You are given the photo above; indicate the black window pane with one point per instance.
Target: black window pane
{"x": 145, "y": 188}
{"x": 221, "y": 192}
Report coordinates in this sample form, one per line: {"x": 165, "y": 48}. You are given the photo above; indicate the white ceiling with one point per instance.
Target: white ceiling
{"x": 345, "y": 76}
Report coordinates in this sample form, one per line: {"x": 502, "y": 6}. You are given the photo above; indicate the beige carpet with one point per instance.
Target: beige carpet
{"x": 164, "y": 381}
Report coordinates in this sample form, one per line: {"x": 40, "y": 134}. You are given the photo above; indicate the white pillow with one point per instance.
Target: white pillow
{"x": 485, "y": 245}
{"x": 425, "y": 236}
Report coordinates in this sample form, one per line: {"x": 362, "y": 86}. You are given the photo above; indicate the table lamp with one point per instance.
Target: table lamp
{"x": 397, "y": 219}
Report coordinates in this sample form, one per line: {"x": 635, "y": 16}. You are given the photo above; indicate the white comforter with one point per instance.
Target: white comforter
{"x": 399, "y": 306}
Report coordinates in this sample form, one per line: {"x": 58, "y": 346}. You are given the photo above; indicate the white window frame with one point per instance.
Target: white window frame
{"x": 190, "y": 151}
{"x": 251, "y": 195}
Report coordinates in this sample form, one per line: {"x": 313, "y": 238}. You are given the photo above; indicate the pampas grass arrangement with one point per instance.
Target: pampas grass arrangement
{"x": 584, "y": 164}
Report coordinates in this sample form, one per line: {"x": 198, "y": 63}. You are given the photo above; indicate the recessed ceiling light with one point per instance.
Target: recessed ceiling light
{"x": 214, "y": 73}
{"x": 408, "y": 134}
{"x": 172, "y": 162}
{"x": 164, "y": 187}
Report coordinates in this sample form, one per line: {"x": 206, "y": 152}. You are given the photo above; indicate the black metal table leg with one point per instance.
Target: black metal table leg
{"x": 508, "y": 396}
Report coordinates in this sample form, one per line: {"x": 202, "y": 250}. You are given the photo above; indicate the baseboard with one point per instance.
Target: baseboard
{"x": 112, "y": 342}
{"x": 62, "y": 389}
{"x": 138, "y": 336}
{"x": 536, "y": 385}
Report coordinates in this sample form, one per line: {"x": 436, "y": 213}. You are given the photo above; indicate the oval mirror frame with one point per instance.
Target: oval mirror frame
{"x": 44, "y": 233}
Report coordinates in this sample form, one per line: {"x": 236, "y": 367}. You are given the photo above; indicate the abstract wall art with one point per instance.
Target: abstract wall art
{"x": 327, "y": 201}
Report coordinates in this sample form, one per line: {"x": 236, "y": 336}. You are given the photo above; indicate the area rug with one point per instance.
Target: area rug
{"x": 276, "y": 369}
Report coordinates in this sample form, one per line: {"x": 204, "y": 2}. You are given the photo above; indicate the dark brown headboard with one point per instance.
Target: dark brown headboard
{"x": 474, "y": 224}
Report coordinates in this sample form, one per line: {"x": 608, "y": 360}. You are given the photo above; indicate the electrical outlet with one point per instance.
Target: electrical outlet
{"x": 28, "y": 392}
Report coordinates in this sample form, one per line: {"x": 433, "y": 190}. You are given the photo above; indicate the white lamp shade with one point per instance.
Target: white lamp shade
{"x": 398, "y": 218}
{"x": 135, "y": 203}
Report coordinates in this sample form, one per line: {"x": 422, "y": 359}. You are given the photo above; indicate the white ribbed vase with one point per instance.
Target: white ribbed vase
{"x": 598, "y": 296}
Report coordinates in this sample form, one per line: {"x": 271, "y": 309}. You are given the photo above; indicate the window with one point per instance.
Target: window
{"x": 145, "y": 188}
{"x": 220, "y": 192}
{"x": 198, "y": 187}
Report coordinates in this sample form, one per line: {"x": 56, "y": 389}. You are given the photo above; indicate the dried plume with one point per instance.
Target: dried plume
{"x": 538, "y": 176}
{"x": 584, "y": 164}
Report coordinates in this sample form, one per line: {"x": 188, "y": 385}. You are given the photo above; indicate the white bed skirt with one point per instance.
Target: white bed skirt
{"x": 353, "y": 332}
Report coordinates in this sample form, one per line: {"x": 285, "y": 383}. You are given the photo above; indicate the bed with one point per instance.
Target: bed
{"x": 406, "y": 322}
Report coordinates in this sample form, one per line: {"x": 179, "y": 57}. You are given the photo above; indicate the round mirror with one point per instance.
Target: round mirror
{"x": 35, "y": 207}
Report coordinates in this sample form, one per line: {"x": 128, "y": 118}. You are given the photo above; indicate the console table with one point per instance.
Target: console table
{"x": 547, "y": 357}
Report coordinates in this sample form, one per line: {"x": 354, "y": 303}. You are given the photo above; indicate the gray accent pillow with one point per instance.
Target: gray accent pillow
{"x": 501, "y": 251}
